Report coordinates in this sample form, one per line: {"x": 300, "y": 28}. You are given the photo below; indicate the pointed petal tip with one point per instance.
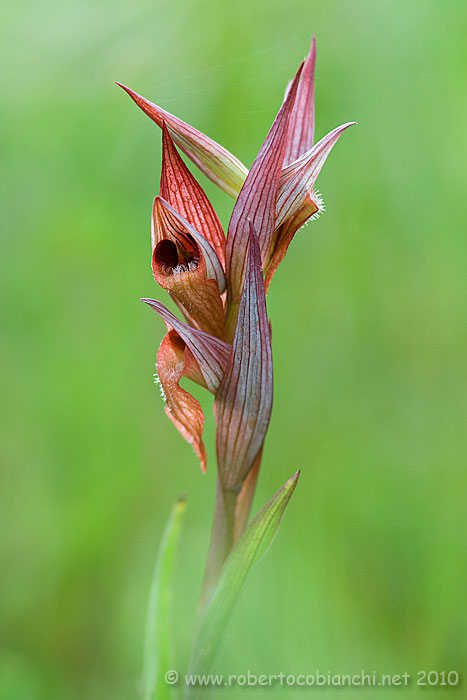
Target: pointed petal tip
{"x": 124, "y": 87}
{"x": 134, "y": 95}
{"x": 300, "y": 69}
{"x": 138, "y": 99}
{"x": 312, "y": 51}
{"x": 294, "y": 478}
{"x": 341, "y": 128}
{"x": 291, "y": 93}
{"x": 344, "y": 127}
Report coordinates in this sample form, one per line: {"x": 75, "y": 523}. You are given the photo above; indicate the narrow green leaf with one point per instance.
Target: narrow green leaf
{"x": 157, "y": 646}
{"x": 248, "y": 551}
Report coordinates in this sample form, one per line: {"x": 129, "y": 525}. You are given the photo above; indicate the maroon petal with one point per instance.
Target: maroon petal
{"x": 243, "y": 403}
{"x": 302, "y": 119}
{"x": 256, "y": 202}
{"x": 215, "y": 161}
{"x": 180, "y": 189}
{"x": 210, "y": 353}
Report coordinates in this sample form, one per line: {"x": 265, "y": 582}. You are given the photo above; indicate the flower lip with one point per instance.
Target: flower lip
{"x": 171, "y": 259}
{"x": 166, "y": 254}
{"x": 184, "y": 263}
{"x": 192, "y": 247}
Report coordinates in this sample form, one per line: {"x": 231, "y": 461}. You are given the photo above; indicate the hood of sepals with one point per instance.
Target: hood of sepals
{"x": 193, "y": 250}
{"x": 186, "y": 265}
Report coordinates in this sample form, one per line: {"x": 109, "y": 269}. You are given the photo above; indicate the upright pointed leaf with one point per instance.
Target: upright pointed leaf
{"x": 180, "y": 189}
{"x": 215, "y": 161}
{"x": 302, "y": 119}
{"x": 256, "y": 202}
{"x": 243, "y": 403}
{"x": 159, "y": 624}
{"x": 254, "y": 542}
{"x": 211, "y": 353}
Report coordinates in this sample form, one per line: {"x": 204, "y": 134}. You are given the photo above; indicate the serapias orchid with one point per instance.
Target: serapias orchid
{"x": 219, "y": 282}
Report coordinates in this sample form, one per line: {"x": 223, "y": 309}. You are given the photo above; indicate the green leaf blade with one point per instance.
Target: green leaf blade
{"x": 157, "y": 646}
{"x": 252, "y": 545}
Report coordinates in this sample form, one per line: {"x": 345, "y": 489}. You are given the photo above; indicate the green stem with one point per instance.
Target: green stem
{"x": 231, "y": 513}
{"x": 222, "y": 540}
{"x": 245, "y": 498}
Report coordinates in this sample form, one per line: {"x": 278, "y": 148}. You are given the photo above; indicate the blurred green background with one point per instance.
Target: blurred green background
{"x": 369, "y": 336}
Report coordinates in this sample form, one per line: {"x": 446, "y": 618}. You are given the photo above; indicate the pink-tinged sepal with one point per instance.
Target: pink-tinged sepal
{"x": 311, "y": 207}
{"x": 243, "y": 403}
{"x": 256, "y": 203}
{"x": 185, "y": 264}
{"x": 210, "y": 353}
{"x": 298, "y": 178}
{"x": 181, "y": 190}
{"x": 181, "y": 407}
{"x": 302, "y": 119}
{"x": 215, "y": 161}
{"x": 297, "y": 201}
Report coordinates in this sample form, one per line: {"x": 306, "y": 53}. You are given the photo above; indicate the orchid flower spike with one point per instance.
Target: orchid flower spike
{"x": 219, "y": 282}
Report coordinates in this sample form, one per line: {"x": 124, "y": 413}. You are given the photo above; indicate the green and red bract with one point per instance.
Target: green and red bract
{"x": 302, "y": 119}
{"x": 243, "y": 402}
{"x": 256, "y": 203}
